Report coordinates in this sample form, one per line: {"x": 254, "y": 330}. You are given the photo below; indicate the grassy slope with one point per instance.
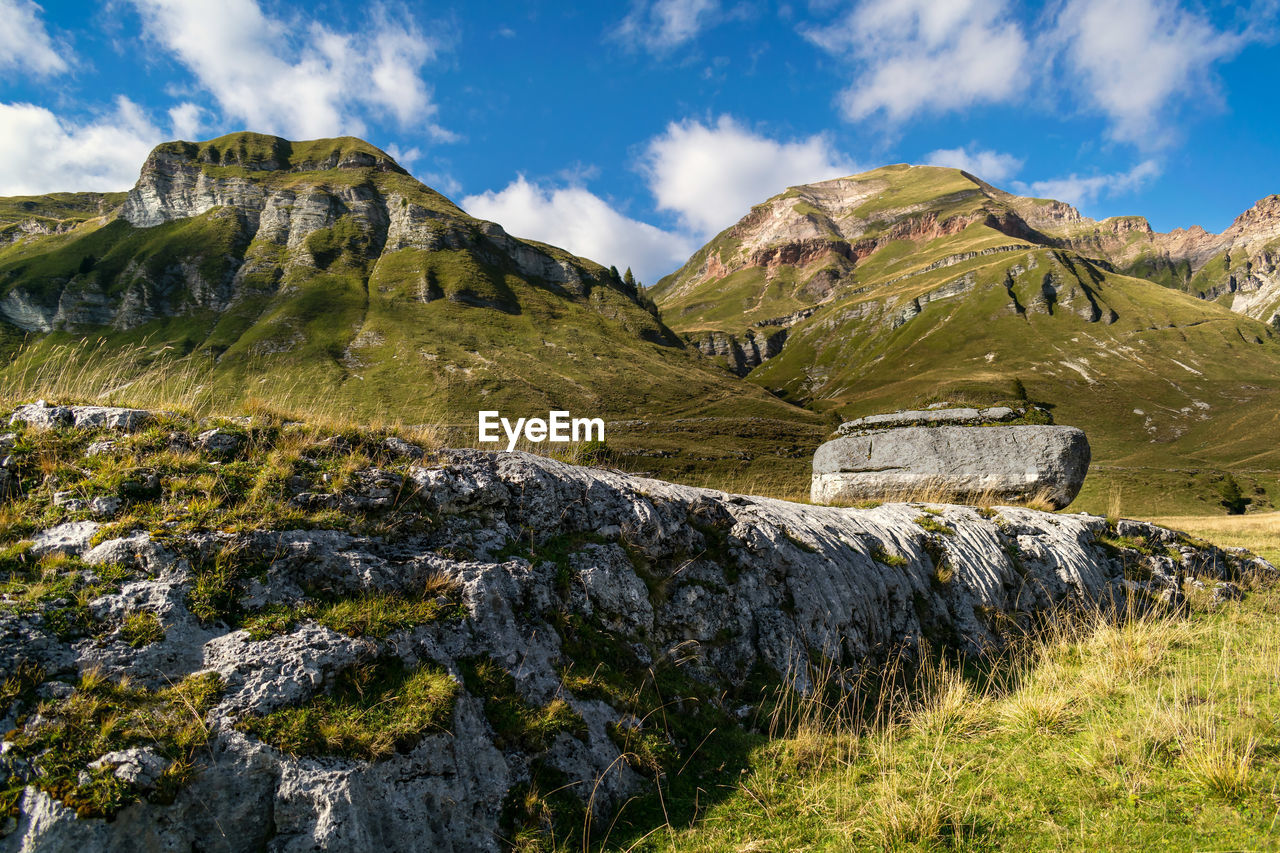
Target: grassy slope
{"x": 1099, "y": 376}
{"x": 55, "y": 210}
{"x": 352, "y": 336}
{"x": 1217, "y": 412}
{"x": 1158, "y": 734}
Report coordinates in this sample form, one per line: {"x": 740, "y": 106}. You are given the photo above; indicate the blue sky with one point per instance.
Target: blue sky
{"x": 631, "y": 133}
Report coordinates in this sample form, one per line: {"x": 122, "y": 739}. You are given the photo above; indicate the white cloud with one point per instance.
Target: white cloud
{"x": 918, "y": 56}
{"x": 1080, "y": 191}
{"x": 659, "y": 25}
{"x": 298, "y": 78}
{"x": 186, "y": 119}
{"x": 44, "y": 153}
{"x": 708, "y": 175}
{"x": 24, "y": 42}
{"x": 578, "y": 220}
{"x": 992, "y": 166}
{"x": 1133, "y": 58}
{"x": 711, "y": 175}
{"x": 404, "y": 156}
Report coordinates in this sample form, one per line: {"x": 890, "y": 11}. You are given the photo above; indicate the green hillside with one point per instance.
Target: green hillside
{"x": 920, "y": 284}
{"x": 319, "y": 277}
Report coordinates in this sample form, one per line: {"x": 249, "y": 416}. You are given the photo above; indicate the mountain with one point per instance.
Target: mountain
{"x": 321, "y": 275}
{"x": 912, "y": 284}
{"x": 1239, "y": 268}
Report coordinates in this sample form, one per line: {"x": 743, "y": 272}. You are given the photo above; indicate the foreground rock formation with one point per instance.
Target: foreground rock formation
{"x": 964, "y": 454}
{"x": 554, "y": 593}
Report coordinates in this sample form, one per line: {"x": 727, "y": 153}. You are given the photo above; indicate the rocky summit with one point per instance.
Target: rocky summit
{"x": 289, "y": 640}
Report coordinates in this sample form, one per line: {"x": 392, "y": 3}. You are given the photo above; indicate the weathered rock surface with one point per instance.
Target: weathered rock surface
{"x": 43, "y": 415}
{"x": 219, "y": 442}
{"x": 70, "y": 538}
{"x": 696, "y": 582}
{"x": 139, "y": 766}
{"x": 931, "y": 417}
{"x": 741, "y": 352}
{"x": 1011, "y": 463}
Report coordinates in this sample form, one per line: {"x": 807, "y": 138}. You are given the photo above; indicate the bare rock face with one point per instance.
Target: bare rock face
{"x": 932, "y": 417}
{"x": 704, "y": 586}
{"x": 1010, "y": 463}
{"x": 743, "y": 352}
{"x": 42, "y": 415}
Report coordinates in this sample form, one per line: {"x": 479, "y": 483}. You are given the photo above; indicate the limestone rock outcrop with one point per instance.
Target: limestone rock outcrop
{"x": 744, "y": 352}
{"x": 945, "y": 452}
{"x": 560, "y": 573}
{"x": 42, "y": 414}
{"x": 932, "y": 417}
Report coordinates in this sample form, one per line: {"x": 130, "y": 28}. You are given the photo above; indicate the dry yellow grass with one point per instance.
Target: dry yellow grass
{"x": 1130, "y": 731}
{"x": 1258, "y": 532}
{"x": 159, "y": 378}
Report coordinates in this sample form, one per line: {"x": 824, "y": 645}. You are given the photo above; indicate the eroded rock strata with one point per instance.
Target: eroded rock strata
{"x": 967, "y": 454}
{"x": 555, "y": 593}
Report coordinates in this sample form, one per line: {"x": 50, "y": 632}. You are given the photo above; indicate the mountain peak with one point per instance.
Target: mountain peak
{"x": 260, "y": 152}
{"x": 1263, "y": 216}
{"x": 240, "y": 170}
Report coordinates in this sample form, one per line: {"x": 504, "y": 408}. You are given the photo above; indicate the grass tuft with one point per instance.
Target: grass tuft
{"x": 102, "y": 716}
{"x": 372, "y": 711}
{"x": 141, "y": 629}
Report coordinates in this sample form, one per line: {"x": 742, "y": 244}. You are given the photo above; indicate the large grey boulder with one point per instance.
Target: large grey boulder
{"x": 1005, "y": 463}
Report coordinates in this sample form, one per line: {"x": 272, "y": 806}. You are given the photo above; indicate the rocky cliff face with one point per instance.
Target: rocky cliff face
{"x": 180, "y": 180}
{"x": 236, "y": 216}
{"x": 558, "y": 595}
{"x": 1250, "y": 258}
{"x": 1238, "y": 266}
{"x": 741, "y": 353}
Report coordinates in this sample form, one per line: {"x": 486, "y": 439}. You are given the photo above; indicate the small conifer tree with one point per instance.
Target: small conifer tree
{"x": 1232, "y": 498}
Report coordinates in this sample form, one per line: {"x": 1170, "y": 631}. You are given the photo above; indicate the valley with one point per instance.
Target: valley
{"x": 320, "y": 278}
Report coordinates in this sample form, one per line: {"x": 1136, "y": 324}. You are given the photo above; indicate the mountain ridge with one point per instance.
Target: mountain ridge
{"x": 321, "y": 274}
{"x": 1126, "y": 242}
{"x": 908, "y": 285}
